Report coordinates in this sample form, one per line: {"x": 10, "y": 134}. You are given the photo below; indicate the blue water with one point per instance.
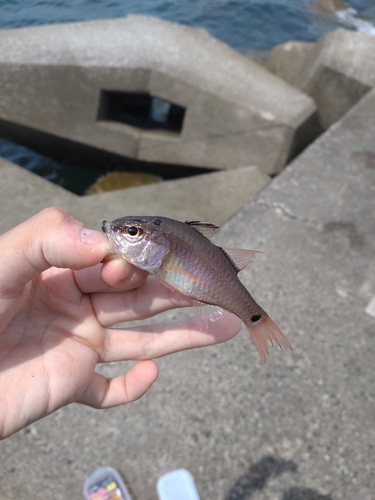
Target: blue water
{"x": 242, "y": 24}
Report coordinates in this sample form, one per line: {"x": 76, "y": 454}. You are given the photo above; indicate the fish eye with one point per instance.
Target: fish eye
{"x": 133, "y": 231}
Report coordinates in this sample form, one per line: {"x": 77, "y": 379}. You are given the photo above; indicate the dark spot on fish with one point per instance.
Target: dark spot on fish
{"x": 157, "y": 222}
{"x": 255, "y": 317}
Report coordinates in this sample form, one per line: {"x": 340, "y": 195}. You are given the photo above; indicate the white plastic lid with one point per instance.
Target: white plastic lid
{"x": 177, "y": 485}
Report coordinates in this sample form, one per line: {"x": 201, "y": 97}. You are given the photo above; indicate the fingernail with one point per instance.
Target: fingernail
{"x": 92, "y": 237}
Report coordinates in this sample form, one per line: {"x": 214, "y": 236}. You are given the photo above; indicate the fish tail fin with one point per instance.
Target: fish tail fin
{"x": 262, "y": 329}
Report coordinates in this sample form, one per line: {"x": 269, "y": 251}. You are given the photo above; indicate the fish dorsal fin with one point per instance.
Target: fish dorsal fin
{"x": 239, "y": 257}
{"x": 205, "y": 228}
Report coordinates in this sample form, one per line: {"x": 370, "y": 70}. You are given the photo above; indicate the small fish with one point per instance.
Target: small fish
{"x": 182, "y": 257}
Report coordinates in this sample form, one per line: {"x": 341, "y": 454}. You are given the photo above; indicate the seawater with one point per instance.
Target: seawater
{"x": 242, "y": 24}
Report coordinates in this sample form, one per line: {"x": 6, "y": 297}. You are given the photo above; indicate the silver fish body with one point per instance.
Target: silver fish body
{"x": 182, "y": 256}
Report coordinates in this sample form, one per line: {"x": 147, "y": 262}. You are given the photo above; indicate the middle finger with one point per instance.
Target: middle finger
{"x": 154, "y": 341}
{"x": 142, "y": 302}
{"x": 112, "y": 276}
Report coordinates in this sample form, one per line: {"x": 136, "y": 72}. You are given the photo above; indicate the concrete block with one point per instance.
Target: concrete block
{"x": 216, "y": 153}
{"x": 212, "y": 197}
{"x": 257, "y": 55}
{"x": 61, "y": 80}
{"x": 315, "y": 222}
{"x": 286, "y": 60}
{"x": 23, "y": 194}
{"x": 338, "y": 72}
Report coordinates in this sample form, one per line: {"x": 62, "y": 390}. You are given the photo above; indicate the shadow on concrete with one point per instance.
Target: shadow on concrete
{"x": 304, "y": 494}
{"x": 258, "y": 475}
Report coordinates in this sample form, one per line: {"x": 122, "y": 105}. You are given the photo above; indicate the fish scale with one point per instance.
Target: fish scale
{"x": 217, "y": 288}
{"x": 182, "y": 256}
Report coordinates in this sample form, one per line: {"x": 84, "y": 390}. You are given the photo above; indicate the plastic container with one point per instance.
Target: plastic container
{"x": 177, "y": 485}
{"x": 105, "y": 484}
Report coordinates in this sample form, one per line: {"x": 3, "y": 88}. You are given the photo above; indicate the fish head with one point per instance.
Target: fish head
{"x": 140, "y": 240}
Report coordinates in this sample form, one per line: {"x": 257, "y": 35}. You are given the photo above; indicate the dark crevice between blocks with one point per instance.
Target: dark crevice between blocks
{"x": 72, "y": 165}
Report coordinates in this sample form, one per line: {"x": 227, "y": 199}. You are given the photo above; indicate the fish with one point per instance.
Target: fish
{"x": 182, "y": 256}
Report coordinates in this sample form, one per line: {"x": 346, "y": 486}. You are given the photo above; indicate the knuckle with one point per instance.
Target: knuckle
{"x": 55, "y": 215}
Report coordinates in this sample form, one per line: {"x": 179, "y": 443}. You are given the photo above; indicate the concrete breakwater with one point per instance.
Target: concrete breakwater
{"x": 145, "y": 89}
{"x": 140, "y": 88}
{"x": 336, "y": 72}
{"x": 149, "y": 90}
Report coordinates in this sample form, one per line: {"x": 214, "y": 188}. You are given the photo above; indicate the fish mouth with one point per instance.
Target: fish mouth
{"x": 110, "y": 229}
{"x": 106, "y": 227}
{"x": 107, "y": 230}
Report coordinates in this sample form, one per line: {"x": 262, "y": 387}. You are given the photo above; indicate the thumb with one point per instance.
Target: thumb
{"x": 53, "y": 237}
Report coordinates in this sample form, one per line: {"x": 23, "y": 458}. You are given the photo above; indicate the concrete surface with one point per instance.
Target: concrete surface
{"x": 286, "y": 60}
{"x": 338, "y": 72}
{"x": 52, "y": 80}
{"x": 300, "y": 427}
{"x": 257, "y": 55}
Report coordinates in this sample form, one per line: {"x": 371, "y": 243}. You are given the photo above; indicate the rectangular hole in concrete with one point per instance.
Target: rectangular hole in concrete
{"x": 141, "y": 111}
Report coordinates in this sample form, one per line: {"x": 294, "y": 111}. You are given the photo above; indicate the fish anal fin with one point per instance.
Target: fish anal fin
{"x": 263, "y": 331}
{"x": 240, "y": 257}
{"x": 206, "y": 313}
{"x": 205, "y": 228}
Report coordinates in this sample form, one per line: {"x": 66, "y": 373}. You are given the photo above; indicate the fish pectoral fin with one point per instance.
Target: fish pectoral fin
{"x": 205, "y": 228}
{"x": 205, "y": 313}
{"x": 183, "y": 273}
{"x": 240, "y": 257}
{"x": 169, "y": 286}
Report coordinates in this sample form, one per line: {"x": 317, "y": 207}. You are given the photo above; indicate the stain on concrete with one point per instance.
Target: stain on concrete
{"x": 258, "y": 475}
{"x": 366, "y": 158}
{"x": 347, "y": 229}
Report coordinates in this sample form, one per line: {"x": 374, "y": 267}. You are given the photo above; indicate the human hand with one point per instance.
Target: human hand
{"x": 56, "y": 304}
